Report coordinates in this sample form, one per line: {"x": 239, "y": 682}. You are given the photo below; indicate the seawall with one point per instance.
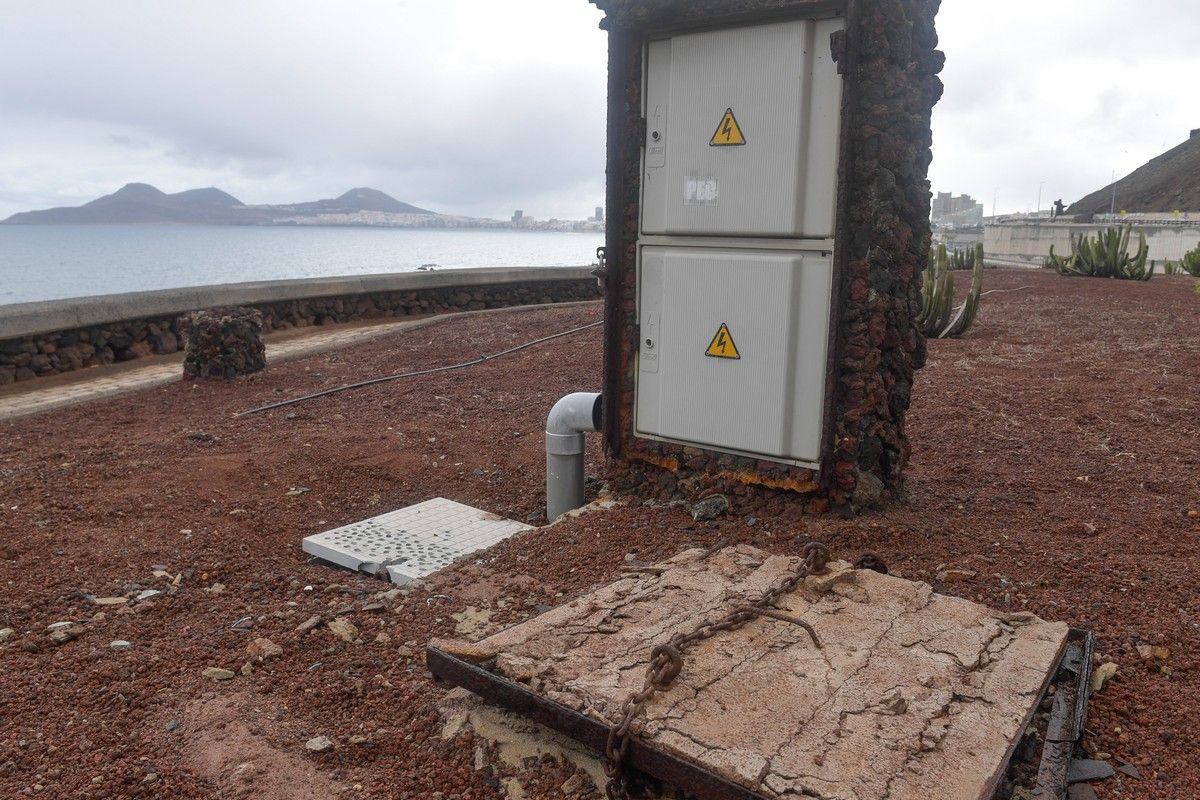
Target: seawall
{"x": 54, "y": 336}
{"x": 1031, "y": 241}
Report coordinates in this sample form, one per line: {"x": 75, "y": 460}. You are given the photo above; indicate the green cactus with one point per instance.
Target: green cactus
{"x": 1105, "y": 256}
{"x": 937, "y": 293}
{"x": 965, "y": 315}
{"x": 962, "y": 259}
{"x": 939, "y": 319}
{"x": 1190, "y": 263}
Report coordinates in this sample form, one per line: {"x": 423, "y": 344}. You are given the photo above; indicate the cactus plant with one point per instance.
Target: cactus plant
{"x": 939, "y": 318}
{"x": 1105, "y": 256}
{"x": 961, "y": 259}
{"x": 965, "y": 315}
{"x": 1190, "y": 263}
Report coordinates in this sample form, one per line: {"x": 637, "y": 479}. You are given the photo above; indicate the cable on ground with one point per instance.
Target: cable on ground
{"x": 1001, "y": 291}
{"x": 415, "y": 373}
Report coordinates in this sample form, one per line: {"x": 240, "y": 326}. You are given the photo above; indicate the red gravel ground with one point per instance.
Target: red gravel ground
{"x": 1055, "y": 455}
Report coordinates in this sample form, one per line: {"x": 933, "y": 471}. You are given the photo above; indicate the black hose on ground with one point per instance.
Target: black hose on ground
{"x": 415, "y": 373}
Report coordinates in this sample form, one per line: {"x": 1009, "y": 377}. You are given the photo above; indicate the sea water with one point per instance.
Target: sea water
{"x": 50, "y": 262}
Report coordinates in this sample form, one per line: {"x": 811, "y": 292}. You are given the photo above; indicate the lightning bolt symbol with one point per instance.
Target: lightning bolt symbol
{"x": 721, "y": 341}
{"x": 727, "y": 129}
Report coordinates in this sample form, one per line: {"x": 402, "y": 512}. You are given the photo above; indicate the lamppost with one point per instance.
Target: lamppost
{"x": 1039, "y": 206}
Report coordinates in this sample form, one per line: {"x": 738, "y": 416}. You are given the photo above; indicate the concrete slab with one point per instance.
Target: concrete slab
{"x": 414, "y": 541}
{"x": 913, "y": 695}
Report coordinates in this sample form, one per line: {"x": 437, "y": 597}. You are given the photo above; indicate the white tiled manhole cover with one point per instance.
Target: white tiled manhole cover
{"x": 412, "y": 542}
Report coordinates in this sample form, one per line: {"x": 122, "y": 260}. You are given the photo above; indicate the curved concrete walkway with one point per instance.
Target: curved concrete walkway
{"x": 96, "y": 383}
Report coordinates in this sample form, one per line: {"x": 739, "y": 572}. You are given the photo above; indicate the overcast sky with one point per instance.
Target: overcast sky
{"x": 482, "y": 106}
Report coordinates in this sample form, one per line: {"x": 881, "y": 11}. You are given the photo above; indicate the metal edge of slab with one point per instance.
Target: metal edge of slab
{"x": 671, "y": 769}
{"x": 1068, "y": 716}
{"x": 993, "y": 784}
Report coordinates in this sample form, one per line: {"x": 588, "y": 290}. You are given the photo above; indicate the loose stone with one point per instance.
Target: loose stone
{"x": 318, "y": 744}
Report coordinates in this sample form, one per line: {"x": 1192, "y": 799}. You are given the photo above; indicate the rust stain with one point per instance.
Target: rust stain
{"x": 791, "y": 484}
{"x": 801, "y": 482}
{"x": 666, "y": 462}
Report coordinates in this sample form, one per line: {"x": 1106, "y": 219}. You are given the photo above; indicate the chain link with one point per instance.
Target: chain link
{"x": 666, "y": 662}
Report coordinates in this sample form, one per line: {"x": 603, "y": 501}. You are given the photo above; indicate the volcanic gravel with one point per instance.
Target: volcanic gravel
{"x": 1055, "y": 468}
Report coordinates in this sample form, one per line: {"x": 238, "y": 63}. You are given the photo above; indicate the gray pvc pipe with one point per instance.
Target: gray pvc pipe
{"x": 570, "y": 417}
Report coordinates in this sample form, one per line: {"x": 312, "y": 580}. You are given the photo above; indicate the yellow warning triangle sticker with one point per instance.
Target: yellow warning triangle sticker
{"x": 728, "y": 132}
{"x": 722, "y": 345}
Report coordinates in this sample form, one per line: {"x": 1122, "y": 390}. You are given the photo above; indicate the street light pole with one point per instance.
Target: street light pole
{"x": 1039, "y": 207}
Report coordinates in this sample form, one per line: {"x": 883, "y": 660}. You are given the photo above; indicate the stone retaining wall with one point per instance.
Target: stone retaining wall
{"x": 1031, "y": 241}
{"x": 50, "y": 352}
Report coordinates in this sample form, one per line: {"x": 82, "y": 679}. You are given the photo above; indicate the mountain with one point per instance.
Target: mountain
{"x": 1165, "y": 183}
{"x": 141, "y": 202}
{"x": 208, "y": 197}
{"x": 360, "y": 199}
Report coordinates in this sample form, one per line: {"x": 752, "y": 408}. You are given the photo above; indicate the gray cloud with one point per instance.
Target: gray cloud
{"x": 1062, "y": 93}
{"x": 479, "y": 107}
{"x": 463, "y": 106}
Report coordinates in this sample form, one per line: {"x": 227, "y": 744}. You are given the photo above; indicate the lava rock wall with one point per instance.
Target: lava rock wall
{"x": 223, "y": 343}
{"x": 890, "y": 65}
{"x": 62, "y": 351}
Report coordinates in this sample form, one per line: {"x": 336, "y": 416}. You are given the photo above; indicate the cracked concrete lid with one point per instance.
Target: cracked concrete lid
{"x": 914, "y": 695}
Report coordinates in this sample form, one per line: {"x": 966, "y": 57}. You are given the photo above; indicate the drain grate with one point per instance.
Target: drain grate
{"x": 412, "y": 542}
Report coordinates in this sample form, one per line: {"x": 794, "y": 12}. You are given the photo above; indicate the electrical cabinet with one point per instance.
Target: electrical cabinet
{"x": 732, "y": 352}
{"x": 735, "y": 263}
{"x": 742, "y": 132}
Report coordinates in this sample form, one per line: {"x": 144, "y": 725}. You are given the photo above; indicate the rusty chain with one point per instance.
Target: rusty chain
{"x": 666, "y": 662}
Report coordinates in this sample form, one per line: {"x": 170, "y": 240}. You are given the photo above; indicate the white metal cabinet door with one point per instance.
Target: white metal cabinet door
{"x": 766, "y": 401}
{"x": 781, "y": 86}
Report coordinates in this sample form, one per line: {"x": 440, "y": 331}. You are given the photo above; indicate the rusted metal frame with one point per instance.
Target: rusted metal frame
{"x": 998, "y": 778}
{"x": 696, "y": 780}
{"x": 614, "y": 237}
{"x": 1068, "y": 716}
{"x": 741, "y": 19}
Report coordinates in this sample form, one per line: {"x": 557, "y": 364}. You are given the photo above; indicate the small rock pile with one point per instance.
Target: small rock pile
{"x": 223, "y": 343}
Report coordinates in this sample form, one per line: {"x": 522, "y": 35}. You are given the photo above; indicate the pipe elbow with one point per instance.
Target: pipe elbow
{"x": 575, "y": 413}
{"x": 570, "y": 417}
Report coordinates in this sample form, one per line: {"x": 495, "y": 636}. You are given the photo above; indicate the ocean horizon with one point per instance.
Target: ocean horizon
{"x": 59, "y": 262}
